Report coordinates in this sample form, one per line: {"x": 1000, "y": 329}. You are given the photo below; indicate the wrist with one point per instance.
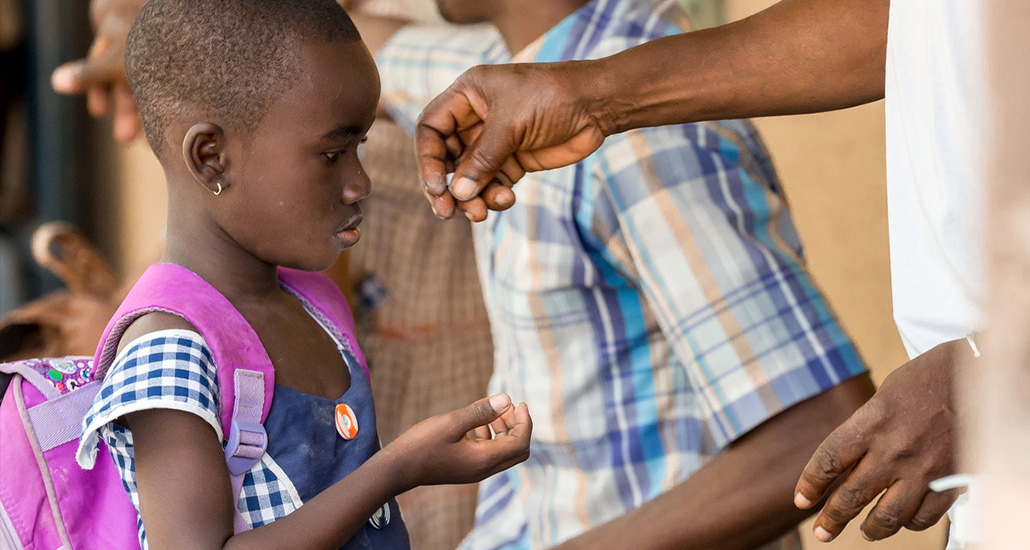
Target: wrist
{"x": 631, "y": 90}
{"x": 595, "y": 84}
{"x": 398, "y": 475}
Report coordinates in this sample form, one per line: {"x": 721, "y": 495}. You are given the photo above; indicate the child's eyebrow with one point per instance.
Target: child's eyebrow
{"x": 341, "y": 132}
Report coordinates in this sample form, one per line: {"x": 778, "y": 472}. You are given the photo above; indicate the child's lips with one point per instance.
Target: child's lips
{"x": 352, "y": 223}
{"x": 348, "y": 233}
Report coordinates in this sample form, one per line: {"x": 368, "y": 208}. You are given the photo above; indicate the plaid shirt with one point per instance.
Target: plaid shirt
{"x": 649, "y": 303}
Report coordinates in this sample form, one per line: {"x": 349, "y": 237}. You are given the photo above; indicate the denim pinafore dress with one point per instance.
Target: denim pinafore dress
{"x": 304, "y": 442}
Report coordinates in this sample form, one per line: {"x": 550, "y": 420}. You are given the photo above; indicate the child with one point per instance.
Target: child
{"x": 255, "y": 109}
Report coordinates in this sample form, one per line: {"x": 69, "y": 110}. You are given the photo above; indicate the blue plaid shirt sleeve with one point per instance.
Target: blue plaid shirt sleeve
{"x": 685, "y": 214}
{"x": 170, "y": 369}
{"x": 420, "y": 61}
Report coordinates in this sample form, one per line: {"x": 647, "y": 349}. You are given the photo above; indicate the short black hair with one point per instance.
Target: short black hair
{"x": 224, "y": 58}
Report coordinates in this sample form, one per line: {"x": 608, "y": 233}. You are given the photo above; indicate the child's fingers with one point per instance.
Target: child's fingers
{"x": 505, "y": 452}
{"x": 523, "y": 421}
{"x": 478, "y": 414}
{"x": 481, "y": 432}
{"x": 508, "y": 418}
{"x": 499, "y": 426}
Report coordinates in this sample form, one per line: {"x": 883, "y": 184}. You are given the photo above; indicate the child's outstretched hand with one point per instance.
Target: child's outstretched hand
{"x": 457, "y": 447}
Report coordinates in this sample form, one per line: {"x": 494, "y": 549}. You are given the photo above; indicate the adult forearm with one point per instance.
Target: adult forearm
{"x": 743, "y": 498}
{"x": 798, "y": 56}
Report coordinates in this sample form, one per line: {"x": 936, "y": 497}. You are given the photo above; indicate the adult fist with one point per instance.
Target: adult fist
{"x": 495, "y": 123}
{"x": 903, "y": 438}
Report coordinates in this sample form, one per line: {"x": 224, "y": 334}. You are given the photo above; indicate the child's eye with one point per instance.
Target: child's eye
{"x": 332, "y": 156}
{"x": 364, "y": 139}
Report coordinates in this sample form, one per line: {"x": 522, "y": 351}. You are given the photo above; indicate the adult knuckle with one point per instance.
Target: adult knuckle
{"x": 850, "y": 499}
{"x": 887, "y": 520}
{"x": 921, "y": 522}
{"x": 827, "y": 465}
{"x": 929, "y": 515}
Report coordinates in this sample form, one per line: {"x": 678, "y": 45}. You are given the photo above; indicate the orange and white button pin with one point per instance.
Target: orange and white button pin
{"x": 346, "y": 421}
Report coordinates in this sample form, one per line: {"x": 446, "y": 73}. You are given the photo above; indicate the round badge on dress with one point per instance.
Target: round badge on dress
{"x": 346, "y": 421}
{"x": 381, "y": 518}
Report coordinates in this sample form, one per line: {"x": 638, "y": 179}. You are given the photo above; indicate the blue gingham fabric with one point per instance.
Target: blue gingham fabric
{"x": 173, "y": 369}
{"x": 649, "y": 303}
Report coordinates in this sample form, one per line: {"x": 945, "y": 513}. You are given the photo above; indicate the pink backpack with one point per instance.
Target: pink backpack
{"x": 47, "y": 501}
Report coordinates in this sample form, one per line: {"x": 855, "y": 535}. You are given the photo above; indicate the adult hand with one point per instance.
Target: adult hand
{"x": 457, "y": 447}
{"x": 495, "y": 123}
{"x": 101, "y": 74}
{"x": 898, "y": 442}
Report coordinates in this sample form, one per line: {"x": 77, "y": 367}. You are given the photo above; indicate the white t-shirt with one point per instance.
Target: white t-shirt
{"x": 935, "y": 84}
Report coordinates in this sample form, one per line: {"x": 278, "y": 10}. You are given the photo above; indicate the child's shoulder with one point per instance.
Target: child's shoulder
{"x": 154, "y": 321}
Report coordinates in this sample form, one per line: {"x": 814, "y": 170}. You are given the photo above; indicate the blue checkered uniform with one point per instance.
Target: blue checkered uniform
{"x": 174, "y": 369}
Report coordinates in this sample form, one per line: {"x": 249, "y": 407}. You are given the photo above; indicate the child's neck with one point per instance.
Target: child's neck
{"x": 199, "y": 245}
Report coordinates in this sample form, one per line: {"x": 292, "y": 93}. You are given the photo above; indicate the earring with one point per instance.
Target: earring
{"x": 219, "y": 192}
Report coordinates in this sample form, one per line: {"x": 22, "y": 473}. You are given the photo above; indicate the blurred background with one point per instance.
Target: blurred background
{"x": 56, "y": 163}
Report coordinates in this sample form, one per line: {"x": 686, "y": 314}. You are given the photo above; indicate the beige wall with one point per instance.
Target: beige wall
{"x": 832, "y": 166}
{"x": 140, "y": 204}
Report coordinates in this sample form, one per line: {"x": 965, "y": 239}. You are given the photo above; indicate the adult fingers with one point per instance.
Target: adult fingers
{"x": 578, "y": 147}
{"x": 443, "y": 118}
{"x": 431, "y": 154}
{"x": 127, "y": 121}
{"x": 98, "y": 100}
{"x": 443, "y": 206}
{"x": 501, "y": 197}
{"x": 498, "y": 196}
{"x": 835, "y": 456}
{"x": 933, "y": 508}
{"x": 103, "y": 67}
{"x": 99, "y": 10}
{"x": 894, "y": 510}
{"x": 483, "y": 159}
{"x": 847, "y": 501}
{"x": 475, "y": 210}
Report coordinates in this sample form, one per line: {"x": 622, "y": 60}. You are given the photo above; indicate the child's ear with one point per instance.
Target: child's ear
{"x": 203, "y": 150}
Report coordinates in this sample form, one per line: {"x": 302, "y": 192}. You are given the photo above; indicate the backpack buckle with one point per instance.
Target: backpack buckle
{"x": 246, "y": 445}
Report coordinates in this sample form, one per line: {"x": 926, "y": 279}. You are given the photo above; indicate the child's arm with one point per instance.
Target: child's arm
{"x": 185, "y": 494}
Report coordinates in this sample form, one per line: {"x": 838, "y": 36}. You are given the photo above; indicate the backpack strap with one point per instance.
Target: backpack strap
{"x": 322, "y": 294}
{"x": 246, "y": 377}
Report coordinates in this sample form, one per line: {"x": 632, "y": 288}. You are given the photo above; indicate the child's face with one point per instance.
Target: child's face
{"x": 297, "y": 178}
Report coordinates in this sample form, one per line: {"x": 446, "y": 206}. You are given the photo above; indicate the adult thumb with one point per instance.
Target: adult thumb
{"x": 483, "y": 160}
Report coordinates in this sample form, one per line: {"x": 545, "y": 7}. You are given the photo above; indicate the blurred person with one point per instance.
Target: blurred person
{"x": 798, "y": 56}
